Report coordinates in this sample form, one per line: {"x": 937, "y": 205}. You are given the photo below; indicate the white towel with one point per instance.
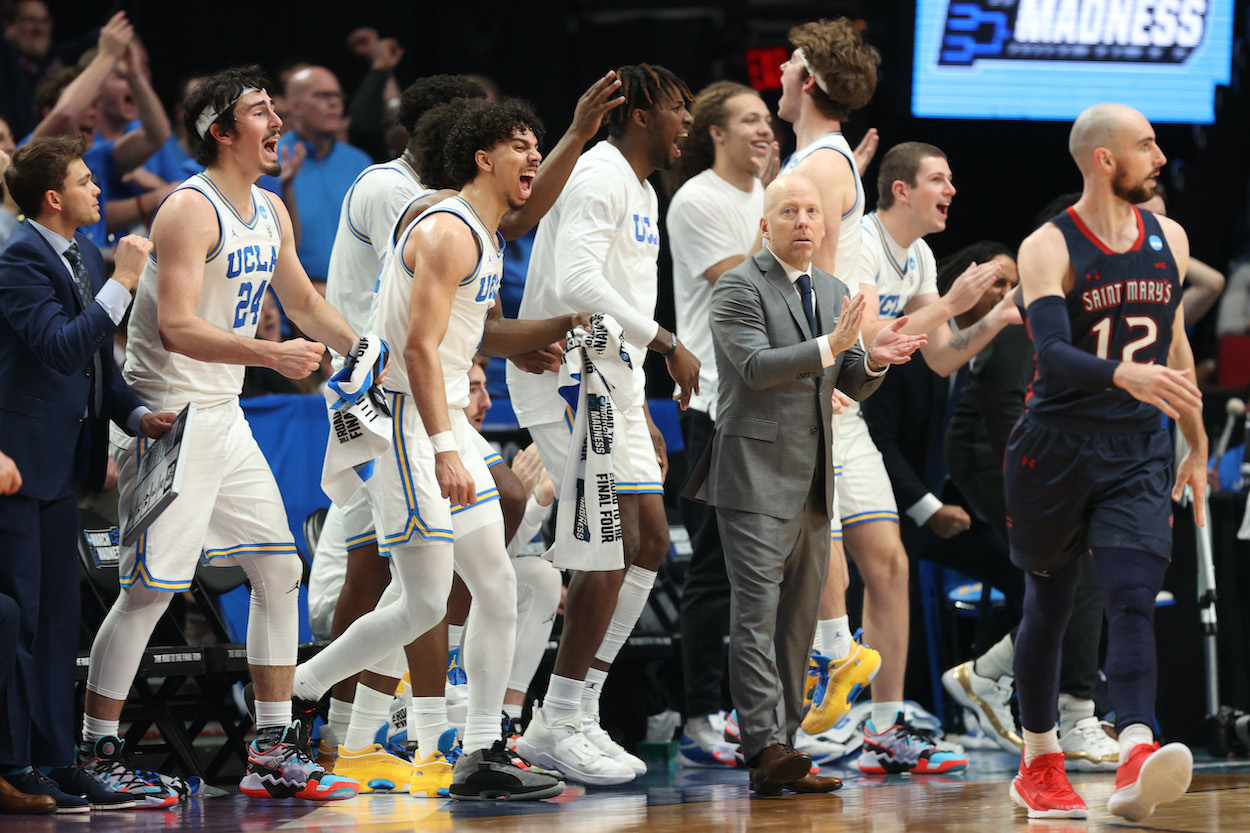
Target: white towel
{"x": 360, "y": 421}
{"x": 597, "y": 380}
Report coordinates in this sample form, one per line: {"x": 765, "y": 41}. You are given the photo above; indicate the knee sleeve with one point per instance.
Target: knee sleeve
{"x": 273, "y": 617}
{"x": 538, "y": 599}
{"x": 119, "y": 644}
{"x": 1047, "y": 606}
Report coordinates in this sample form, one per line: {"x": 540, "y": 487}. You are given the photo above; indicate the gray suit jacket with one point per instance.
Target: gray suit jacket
{"x": 773, "y": 407}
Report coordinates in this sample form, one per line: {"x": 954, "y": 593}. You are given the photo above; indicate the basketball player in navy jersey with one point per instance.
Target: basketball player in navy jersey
{"x": 1089, "y": 465}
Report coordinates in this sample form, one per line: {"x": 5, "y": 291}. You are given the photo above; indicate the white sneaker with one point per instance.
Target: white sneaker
{"x": 566, "y": 749}
{"x": 988, "y": 700}
{"x": 603, "y": 741}
{"x": 1086, "y": 746}
{"x": 821, "y": 748}
{"x": 703, "y": 745}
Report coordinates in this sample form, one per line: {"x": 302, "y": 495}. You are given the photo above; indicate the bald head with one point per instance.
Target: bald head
{"x": 793, "y": 222}
{"x": 315, "y": 102}
{"x": 1103, "y": 126}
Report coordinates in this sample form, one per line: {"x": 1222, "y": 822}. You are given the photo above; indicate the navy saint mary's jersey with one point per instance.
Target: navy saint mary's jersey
{"x": 1121, "y": 307}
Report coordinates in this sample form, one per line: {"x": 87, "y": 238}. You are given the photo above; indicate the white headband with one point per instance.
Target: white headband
{"x": 820, "y": 82}
{"x": 208, "y": 115}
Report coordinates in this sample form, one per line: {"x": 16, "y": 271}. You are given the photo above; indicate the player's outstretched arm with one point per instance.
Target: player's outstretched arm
{"x": 555, "y": 169}
{"x": 184, "y": 233}
{"x": 440, "y": 251}
{"x": 508, "y": 337}
{"x": 302, "y": 303}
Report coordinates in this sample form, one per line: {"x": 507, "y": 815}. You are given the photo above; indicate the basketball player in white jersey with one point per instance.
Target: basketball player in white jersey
{"x": 219, "y": 243}
{"x": 597, "y": 249}
{"x": 433, "y": 488}
{"x": 372, "y": 210}
{"x": 830, "y": 73}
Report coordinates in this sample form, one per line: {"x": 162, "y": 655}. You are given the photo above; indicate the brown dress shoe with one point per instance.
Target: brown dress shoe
{"x": 813, "y": 783}
{"x": 13, "y": 802}
{"x": 777, "y": 765}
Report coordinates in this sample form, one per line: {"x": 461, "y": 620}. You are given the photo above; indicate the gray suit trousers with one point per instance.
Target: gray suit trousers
{"x": 777, "y": 570}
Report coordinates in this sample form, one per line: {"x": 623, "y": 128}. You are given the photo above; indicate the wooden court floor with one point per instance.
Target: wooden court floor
{"x": 702, "y": 801}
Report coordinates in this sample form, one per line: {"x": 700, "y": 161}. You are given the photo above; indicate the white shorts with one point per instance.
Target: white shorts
{"x": 863, "y": 489}
{"x": 637, "y": 470}
{"x": 357, "y": 516}
{"x": 408, "y": 504}
{"x": 229, "y": 504}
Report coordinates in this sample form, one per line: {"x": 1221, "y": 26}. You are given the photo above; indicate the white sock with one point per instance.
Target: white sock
{"x": 885, "y": 714}
{"x": 339, "y": 718}
{"x": 835, "y": 637}
{"x": 1132, "y": 735}
{"x": 427, "y": 716}
{"x": 996, "y": 663}
{"x": 481, "y": 730}
{"x": 455, "y": 636}
{"x": 563, "y": 701}
{"x": 513, "y": 710}
{"x": 1040, "y": 743}
{"x": 306, "y": 686}
{"x": 369, "y": 711}
{"x": 94, "y": 728}
{"x": 591, "y": 691}
{"x": 271, "y": 715}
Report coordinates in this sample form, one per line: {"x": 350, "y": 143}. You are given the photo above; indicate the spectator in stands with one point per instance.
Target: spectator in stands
{"x": 8, "y": 208}
{"x": 369, "y": 121}
{"x": 315, "y": 100}
{"x": 26, "y": 59}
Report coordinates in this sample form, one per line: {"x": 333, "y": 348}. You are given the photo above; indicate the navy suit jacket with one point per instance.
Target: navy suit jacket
{"x": 46, "y": 345}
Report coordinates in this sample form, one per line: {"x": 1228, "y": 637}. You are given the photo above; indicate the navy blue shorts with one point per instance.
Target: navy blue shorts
{"x": 1069, "y": 491}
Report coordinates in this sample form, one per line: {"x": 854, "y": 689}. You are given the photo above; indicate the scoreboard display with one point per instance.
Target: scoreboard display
{"x": 1050, "y": 59}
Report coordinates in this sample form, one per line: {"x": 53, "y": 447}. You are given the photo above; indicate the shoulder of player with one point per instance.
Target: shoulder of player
{"x": 824, "y": 164}
{"x": 1174, "y": 232}
{"x": 1046, "y": 246}
{"x": 443, "y": 237}
{"x": 188, "y": 208}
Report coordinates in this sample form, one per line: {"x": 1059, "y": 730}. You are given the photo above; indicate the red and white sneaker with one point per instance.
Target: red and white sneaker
{"x": 1042, "y": 788}
{"x": 1149, "y": 777}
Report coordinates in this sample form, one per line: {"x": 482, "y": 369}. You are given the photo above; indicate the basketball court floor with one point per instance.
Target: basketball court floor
{"x": 702, "y": 801}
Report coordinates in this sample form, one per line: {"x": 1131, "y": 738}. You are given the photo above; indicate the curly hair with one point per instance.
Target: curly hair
{"x": 425, "y": 94}
{"x": 698, "y": 152}
{"x": 901, "y": 164}
{"x": 642, "y": 86}
{"x": 845, "y": 66}
{"x": 218, "y": 92}
{"x": 480, "y": 126}
{"x": 429, "y": 143}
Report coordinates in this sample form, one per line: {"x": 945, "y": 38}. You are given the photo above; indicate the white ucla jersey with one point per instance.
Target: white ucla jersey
{"x": 237, "y": 271}
{"x": 847, "y": 258}
{"x": 900, "y": 274}
{"x": 367, "y": 219}
{"x": 474, "y": 297}
{"x": 596, "y": 250}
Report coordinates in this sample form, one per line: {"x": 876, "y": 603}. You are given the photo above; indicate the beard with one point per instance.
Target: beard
{"x": 1131, "y": 193}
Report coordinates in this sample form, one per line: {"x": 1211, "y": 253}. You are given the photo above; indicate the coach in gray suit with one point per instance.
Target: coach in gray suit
{"x": 769, "y": 468}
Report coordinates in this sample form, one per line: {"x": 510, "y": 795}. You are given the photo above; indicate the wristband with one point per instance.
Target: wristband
{"x": 444, "y": 441}
{"x": 672, "y": 347}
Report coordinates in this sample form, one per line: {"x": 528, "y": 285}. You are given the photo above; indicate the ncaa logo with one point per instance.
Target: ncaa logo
{"x": 1155, "y": 242}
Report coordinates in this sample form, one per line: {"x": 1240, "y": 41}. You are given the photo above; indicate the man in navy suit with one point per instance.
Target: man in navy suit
{"x": 58, "y": 389}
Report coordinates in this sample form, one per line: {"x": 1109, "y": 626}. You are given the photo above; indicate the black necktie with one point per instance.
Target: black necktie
{"x": 805, "y": 294}
{"x": 82, "y": 281}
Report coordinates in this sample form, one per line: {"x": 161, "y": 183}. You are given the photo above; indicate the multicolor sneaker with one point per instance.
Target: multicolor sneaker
{"x": 374, "y": 767}
{"x": 817, "y": 676}
{"x": 731, "y": 732}
{"x": 1149, "y": 777}
{"x": 703, "y": 747}
{"x": 285, "y": 770}
{"x": 1043, "y": 790}
{"x": 101, "y": 771}
{"x": 595, "y": 734}
{"x": 489, "y": 775}
{"x": 430, "y": 777}
{"x": 455, "y": 668}
{"x": 844, "y": 679}
{"x": 904, "y": 748}
{"x": 33, "y": 782}
{"x": 988, "y": 700}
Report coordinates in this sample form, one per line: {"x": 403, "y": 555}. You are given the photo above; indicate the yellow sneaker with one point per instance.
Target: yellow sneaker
{"x": 846, "y": 679}
{"x": 375, "y": 768}
{"x": 431, "y": 777}
{"x": 816, "y": 665}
